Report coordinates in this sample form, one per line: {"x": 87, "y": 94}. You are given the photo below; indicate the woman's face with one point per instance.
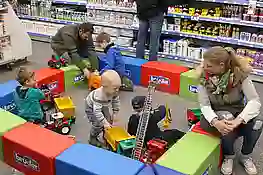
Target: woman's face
{"x": 213, "y": 68}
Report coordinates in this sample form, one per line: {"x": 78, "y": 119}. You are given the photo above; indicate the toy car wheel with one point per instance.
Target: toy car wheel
{"x": 58, "y": 65}
{"x": 50, "y": 63}
{"x": 65, "y": 130}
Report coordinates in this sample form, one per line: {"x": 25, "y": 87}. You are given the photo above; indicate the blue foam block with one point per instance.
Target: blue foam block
{"x": 133, "y": 68}
{"x": 7, "y": 95}
{"x": 147, "y": 170}
{"x": 160, "y": 170}
{"x": 84, "y": 159}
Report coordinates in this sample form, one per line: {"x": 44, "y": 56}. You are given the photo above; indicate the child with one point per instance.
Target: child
{"x": 156, "y": 116}
{"x": 27, "y": 97}
{"x": 114, "y": 60}
{"x": 98, "y": 105}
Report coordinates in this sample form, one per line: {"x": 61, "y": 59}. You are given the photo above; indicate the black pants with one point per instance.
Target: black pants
{"x": 250, "y": 133}
{"x": 171, "y": 136}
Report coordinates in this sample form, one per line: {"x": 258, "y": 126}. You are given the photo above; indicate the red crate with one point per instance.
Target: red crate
{"x": 168, "y": 74}
{"x": 32, "y": 149}
{"x": 54, "y": 78}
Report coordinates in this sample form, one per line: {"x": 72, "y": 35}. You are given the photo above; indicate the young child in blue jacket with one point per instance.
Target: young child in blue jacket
{"x": 27, "y": 97}
{"x": 114, "y": 60}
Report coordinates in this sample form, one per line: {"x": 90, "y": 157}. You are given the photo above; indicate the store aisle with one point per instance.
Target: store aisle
{"x": 41, "y": 53}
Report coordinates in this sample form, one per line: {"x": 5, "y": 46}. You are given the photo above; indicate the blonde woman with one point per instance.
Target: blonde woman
{"x": 230, "y": 105}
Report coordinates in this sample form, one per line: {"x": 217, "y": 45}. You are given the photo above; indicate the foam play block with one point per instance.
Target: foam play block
{"x": 7, "y": 96}
{"x": 133, "y": 68}
{"x": 160, "y": 170}
{"x": 189, "y": 85}
{"x": 32, "y": 149}
{"x": 194, "y": 154}
{"x": 54, "y": 78}
{"x": 86, "y": 159}
{"x": 167, "y": 74}
{"x": 73, "y": 77}
{"x": 8, "y": 121}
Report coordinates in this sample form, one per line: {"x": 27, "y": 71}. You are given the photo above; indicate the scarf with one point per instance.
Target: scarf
{"x": 217, "y": 84}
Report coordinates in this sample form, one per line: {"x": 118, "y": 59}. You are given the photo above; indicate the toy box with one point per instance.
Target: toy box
{"x": 54, "y": 78}
{"x": 7, "y": 96}
{"x": 73, "y": 77}
{"x": 133, "y": 68}
{"x": 32, "y": 149}
{"x": 66, "y": 106}
{"x": 160, "y": 170}
{"x": 167, "y": 74}
{"x": 8, "y": 121}
{"x": 189, "y": 85}
{"x": 194, "y": 154}
{"x": 87, "y": 159}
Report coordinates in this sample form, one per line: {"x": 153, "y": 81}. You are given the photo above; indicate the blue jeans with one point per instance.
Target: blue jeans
{"x": 155, "y": 24}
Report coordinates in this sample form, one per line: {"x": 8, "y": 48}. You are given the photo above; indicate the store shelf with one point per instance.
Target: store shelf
{"x": 219, "y": 20}
{"x": 66, "y": 22}
{"x": 257, "y": 74}
{"x": 70, "y": 2}
{"x": 111, "y": 8}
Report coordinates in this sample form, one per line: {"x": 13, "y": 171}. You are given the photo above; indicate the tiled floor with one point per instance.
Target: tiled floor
{"x": 41, "y": 52}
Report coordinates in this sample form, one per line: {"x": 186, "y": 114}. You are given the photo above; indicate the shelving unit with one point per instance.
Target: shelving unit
{"x": 120, "y": 21}
{"x": 12, "y": 34}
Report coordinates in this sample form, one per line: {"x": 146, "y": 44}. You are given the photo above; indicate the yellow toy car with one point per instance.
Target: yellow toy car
{"x": 65, "y": 105}
{"x": 120, "y": 140}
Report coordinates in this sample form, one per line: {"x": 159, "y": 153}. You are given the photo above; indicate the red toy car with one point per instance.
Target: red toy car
{"x": 59, "y": 124}
{"x": 57, "y": 62}
{"x": 155, "y": 149}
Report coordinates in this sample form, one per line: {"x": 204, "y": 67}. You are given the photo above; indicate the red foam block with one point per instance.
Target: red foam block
{"x": 32, "y": 149}
{"x": 54, "y": 78}
{"x": 168, "y": 74}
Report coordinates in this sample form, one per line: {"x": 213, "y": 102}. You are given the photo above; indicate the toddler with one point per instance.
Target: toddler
{"x": 98, "y": 104}
{"x": 114, "y": 60}
{"x": 27, "y": 97}
{"x": 153, "y": 131}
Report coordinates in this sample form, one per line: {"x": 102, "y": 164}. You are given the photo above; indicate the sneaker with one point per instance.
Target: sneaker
{"x": 227, "y": 166}
{"x": 249, "y": 166}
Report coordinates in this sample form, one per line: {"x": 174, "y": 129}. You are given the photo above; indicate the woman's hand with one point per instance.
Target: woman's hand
{"x": 222, "y": 127}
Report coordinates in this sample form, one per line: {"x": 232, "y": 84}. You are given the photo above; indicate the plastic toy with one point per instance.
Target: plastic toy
{"x": 155, "y": 149}
{"x": 141, "y": 131}
{"x": 94, "y": 82}
{"x": 119, "y": 140}
{"x": 57, "y": 62}
{"x": 193, "y": 116}
{"x": 59, "y": 124}
{"x": 168, "y": 118}
{"x": 49, "y": 102}
{"x": 65, "y": 105}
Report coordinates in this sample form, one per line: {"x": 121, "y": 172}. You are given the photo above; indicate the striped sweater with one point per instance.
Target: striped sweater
{"x": 96, "y": 104}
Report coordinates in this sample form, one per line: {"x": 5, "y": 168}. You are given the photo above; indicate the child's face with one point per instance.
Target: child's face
{"x": 31, "y": 82}
{"x": 102, "y": 45}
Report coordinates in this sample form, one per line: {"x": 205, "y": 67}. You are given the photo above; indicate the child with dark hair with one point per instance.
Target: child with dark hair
{"x": 27, "y": 97}
{"x": 114, "y": 60}
{"x": 153, "y": 131}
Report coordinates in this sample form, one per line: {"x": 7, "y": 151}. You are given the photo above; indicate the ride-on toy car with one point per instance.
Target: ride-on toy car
{"x": 59, "y": 124}
{"x": 57, "y": 62}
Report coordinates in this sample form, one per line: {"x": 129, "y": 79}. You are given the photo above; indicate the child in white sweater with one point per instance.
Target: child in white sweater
{"x": 98, "y": 104}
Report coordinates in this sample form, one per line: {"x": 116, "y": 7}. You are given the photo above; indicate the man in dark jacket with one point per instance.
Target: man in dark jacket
{"x": 153, "y": 130}
{"x": 75, "y": 43}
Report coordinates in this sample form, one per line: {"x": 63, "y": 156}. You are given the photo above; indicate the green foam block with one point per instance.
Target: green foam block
{"x": 194, "y": 154}
{"x": 8, "y": 121}
{"x": 189, "y": 82}
{"x": 73, "y": 77}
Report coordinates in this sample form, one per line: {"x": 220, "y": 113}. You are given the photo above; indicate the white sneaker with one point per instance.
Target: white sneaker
{"x": 227, "y": 166}
{"x": 249, "y": 166}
